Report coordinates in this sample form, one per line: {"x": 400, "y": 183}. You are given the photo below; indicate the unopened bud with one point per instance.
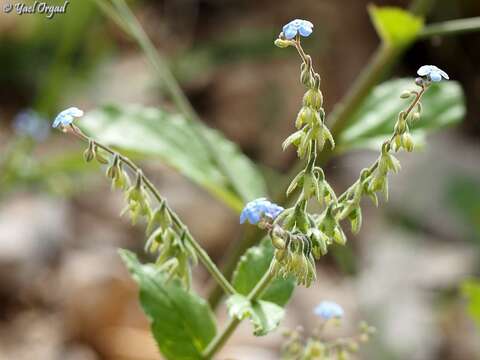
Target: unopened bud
{"x": 405, "y": 94}
{"x": 89, "y": 154}
{"x": 282, "y": 43}
{"x": 407, "y": 142}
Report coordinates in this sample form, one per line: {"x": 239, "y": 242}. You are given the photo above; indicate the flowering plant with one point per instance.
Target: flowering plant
{"x": 265, "y": 276}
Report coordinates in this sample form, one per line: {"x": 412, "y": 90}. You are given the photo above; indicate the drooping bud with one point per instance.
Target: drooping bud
{"x": 407, "y": 142}
{"x": 89, "y": 154}
{"x": 283, "y": 43}
{"x": 294, "y": 139}
{"x": 313, "y": 99}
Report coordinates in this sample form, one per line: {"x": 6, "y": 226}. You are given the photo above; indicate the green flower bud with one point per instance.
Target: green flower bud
{"x": 306, "y": 115}
{"x": 295, "y": 139}
{"x": 113, "y": 169}
{"x": 308, "y": 185}
{"x": 388, "y": 162}
{"x": 160, "y": 216}
{"x": 297, "y": 181}
{"x": 278, "y": 242}
{"x": 405, "y": 94}
{"x": 306, "y": 75}
{"x": 339, "y": 236}
{"x": 101, "y": 159}
{"x": 327, "y": 136}
{"x": 407, "y": 142}
{"x": 355, "y": 218}
{"x": 89, "y": 154}
{"x": 282, "y": 43}
{"x": 313, "y": 99}
{"x": 304, "y": 145}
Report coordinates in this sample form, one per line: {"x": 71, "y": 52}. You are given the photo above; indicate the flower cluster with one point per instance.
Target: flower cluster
{"x": 168, "y": 239}
{"x": 315, "y": 346}
{"x": 298, "y": 236}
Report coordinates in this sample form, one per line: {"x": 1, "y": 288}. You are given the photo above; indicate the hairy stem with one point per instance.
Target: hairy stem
{"x": 203, "y": 256}
{"x": 345, "y": 212}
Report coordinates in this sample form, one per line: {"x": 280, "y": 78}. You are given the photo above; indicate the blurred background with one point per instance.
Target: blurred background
{"x": 64, "y": 293}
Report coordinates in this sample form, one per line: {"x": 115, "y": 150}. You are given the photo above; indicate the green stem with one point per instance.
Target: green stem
{"x": 127, "y": 20}
{"x": 222, "y": 337}
{"x": 452, "y": 27}
{"x": 202, "y": 254}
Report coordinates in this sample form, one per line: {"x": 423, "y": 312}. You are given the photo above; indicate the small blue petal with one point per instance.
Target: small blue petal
{"x": 297, "y": 26}
{"x": 289, "y": 31}
{"x": 257, "y": 209}
{"x": 67, "y": 116}
{"x": 435, "y": 76}
{"x": 432, "y": 73}
{"x": 328, "y": 310}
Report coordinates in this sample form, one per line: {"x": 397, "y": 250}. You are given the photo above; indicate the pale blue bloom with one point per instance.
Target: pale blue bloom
{"x": 30, "y": 123}
{"x": 256, "y": 209}
{"x": 67, "y": 116}
{"x": 328, "y": 310}
{"x": 432, "y": 73}
{"x": 297, "y": 26}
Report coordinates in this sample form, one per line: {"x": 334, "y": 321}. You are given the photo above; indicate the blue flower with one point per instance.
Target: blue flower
{"x": 256, "y": 209}
{"x": 432, "y": 73}
{"x": 67, "y": 116}
{"x": 328, "y": 310}
{"x": 30, "y": 123}
{"x": 297, "y": 26}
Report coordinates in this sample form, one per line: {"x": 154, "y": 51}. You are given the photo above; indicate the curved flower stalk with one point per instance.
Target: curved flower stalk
{"x": 168, "y": 237}
{"x": 301, "y": 237}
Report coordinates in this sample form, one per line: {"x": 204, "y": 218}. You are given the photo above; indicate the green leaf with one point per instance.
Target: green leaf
{"x": 471, "y": 290}
{"x": 250, "y": 269}
{"x": 181, "y": 322}
{"x": 154, "y": 133}
{"x": 373, "y": 122}
{"x": 264, "y": 315}
{"x": 395, "y": 26}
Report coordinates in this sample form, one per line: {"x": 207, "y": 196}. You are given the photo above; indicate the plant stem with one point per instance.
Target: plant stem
{"x": 127, "y": 21}
{"x": 345, "y": 212}
{"x": 222, "y": 337}
{"x": 202, "y": 254}
{"x": 452, "y": 27}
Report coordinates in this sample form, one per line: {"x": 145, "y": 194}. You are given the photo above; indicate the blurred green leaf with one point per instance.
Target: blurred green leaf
{"x": 471, "y": 290}
{"x": 395, "y": 26}
{"x": 463, "y": 199}
{"x": 250, "y": 269}
{"x": 181, "y": 322}
{"x": 373, "y": 122}
{"x": 158, "y": 134}
{"x": 264, "y": 315}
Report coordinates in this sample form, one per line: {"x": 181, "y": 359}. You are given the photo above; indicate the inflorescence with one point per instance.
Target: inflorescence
{"x": 300, "y": 237}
